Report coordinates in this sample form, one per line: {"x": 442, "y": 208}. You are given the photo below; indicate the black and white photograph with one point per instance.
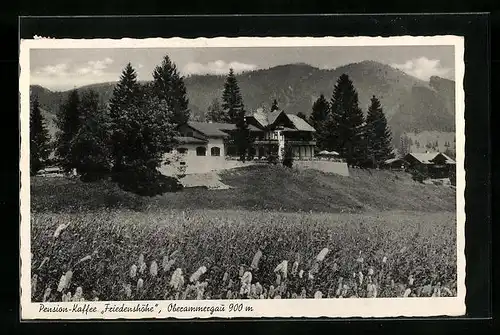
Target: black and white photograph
{"x": 242, "y": 177}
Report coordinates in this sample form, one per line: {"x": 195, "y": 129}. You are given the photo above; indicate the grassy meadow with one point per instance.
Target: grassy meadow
{"x": 277, "y": 233}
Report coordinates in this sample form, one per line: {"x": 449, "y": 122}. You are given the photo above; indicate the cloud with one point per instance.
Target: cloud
{"x": 423, "y": 68}
{"x": 218, "y": 67}
{"x": 95, "y": 68}
{"x": 62, "y": 75}
{"x": 58, "y": 70}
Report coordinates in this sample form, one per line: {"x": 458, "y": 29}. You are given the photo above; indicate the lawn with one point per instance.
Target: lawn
{"x": 277, "y": 233}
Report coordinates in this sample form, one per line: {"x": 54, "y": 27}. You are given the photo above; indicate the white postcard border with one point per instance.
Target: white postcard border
{"x": 377, "y": 307}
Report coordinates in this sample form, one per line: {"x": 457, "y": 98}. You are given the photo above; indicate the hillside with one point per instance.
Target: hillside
{"x": 410, "y": 104}
{"x": 272, "y": 188}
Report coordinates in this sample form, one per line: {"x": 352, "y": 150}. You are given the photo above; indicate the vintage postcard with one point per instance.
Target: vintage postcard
{"x": 242, "y": 177}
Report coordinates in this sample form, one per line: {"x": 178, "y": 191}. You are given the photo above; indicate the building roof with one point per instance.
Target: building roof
{"x": 393, "y": 160}
{"x": 429, "y": 157}
{"x": 424, "y": 157}
{"x": 216, "y": 129}
{"x": 189, "y": 140}
{"x": 448, "y": 159}
{"x": 267, "y": 119}
{"x": 299, "y": 123}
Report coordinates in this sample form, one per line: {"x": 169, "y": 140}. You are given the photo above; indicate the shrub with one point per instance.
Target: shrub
{"x": 288, "y": 156}
{"x": 145, "y": 181}
{"x": 418, "y": 175}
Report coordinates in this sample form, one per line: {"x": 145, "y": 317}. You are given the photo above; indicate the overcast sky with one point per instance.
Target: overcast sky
{"x": 62, "y": 69}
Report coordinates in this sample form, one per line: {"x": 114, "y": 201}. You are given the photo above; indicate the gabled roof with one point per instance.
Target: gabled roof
{"x": 429, "y": 157}
{"x": 447, "y": 158}
{"x": 268, "y": 119}
{"x": 216, "y": 129}
{"x": 299, "y": 123}
{"x": 423, "y": 157}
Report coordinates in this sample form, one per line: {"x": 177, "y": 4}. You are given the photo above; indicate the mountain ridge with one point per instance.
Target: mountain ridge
{"x": 410, "y": 104}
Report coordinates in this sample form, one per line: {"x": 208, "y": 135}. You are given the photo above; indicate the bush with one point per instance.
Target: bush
{"x": 288, "y": 156}
{"x": 418, "y": 175}
{"x": 146, "y": 181}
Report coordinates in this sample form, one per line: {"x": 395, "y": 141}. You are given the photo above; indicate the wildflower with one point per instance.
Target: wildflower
{"x": 318, "y": 295}
{"x": 197, "y": 274}
{"x": 253, "y": 290}
{"x": 153, "y": 269}
{"x": 46, "y": 294}
{"x": 426, "y": 291}
{"x": 447, "y": 291}
{"x": 371, "y": 291}
{"x": 410, "y": 280}
{"x": 294, "y": 295}
{"x": 258, "y": 288}
{"x": 128, "y": 290}
{"x": 241, "y": 271}
{"x": 229, "y": 294}
{"x": 62, "y": 284}
{"x": 66, "y": 297}
{"x": 34, "y": 282}
{"x": 322, "y": 254}
{"x": 277, "y": 296}
{"x": 69, "y": 275}
{"x": 315, "y": 268}
{"x": 45, "y": 260}
{"x": 295, "y": 267}
{"x": 407, "y": 293}
{"x": 278, "y": 279}
{"x": 436, "y": 292}
{"x": 255, "y": 260}
{"x": 360, "y": 277}
{"x": 177, "y": 280}
{"x": 301, "y": 273}
{"x": 245, "y": 288}
{"x": 303, "y": 293}
{"x": 59, "y": 229}
{"x": 246, "y": 278}
{"x": 86, "y": 258}
{"x": 142, "y": 265}
{"x": 225, "y": 277}
{"x": 283, "y": 268}
{"x": 360, "y": 259}
{"x": 370, "y": 271}
{"x": 384, "y": 260}
{"x": 310, "y": 275}
{"x": 78, "y": 294}
{"x": 140, "y": 284}
{"x": 133, "y": 271}
{"x": 271, "y": 291}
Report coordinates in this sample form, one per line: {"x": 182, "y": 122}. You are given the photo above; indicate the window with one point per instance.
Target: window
{"x": 201, "y": 151}
{"x": 189, "y": 134}
{"x": 182, "y": 163}
{"x": 215, "y": 151}
{"x": 182, "y": 150}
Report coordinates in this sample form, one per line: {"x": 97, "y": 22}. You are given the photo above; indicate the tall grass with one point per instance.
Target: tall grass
{"x": 207, "y": 254}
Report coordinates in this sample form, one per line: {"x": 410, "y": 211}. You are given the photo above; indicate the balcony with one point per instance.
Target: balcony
{"x": 299, "y": 142}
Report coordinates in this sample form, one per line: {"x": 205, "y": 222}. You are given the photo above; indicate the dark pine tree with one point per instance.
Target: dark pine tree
{"x": 232, "y": 102}
{"x": 344, "y": 127}
{"x": 168, "y": 85}
{"x": 39, "y": 138}
{"x": 215, "y": 112}
{"x": 92, "y": 141}
{"x": 318, "y": 118}
{"x": 378, "y": 134}
{"x": 126, "y": 94}
{"x": 68, "y": 122}
{"x": 274, "y": 105}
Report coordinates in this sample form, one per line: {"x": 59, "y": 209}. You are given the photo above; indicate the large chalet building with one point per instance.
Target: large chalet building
{"x": 201, "y": 142}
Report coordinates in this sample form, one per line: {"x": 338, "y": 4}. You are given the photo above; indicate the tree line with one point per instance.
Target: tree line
{"x": 127, "y": 138}
{"x": 341, "y": 126}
